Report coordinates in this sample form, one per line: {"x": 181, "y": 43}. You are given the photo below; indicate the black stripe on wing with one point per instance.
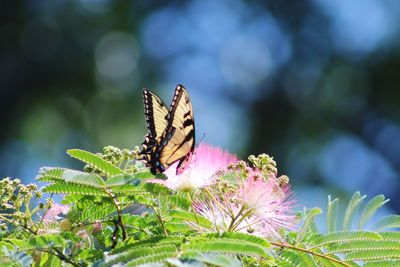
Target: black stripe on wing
{"x": 156, "y": 113}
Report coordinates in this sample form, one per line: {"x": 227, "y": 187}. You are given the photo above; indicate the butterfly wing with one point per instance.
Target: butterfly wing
{"x": 180, "y": 118}
{"x": 156, "y": 113}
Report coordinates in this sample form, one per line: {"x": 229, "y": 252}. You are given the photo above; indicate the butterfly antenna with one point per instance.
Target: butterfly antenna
{"x": 202, "y": 137}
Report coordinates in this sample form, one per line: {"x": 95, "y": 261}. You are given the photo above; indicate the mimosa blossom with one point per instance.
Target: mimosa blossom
{"x": 55, "y": 213}
{"x": 200, "y": 170}
{"x": 270, "y": 204}
{"x": 256, "y": 205}
{"x": 54, "y": 221}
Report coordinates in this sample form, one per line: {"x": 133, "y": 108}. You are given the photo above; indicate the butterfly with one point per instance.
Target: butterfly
{"x": 171, "y": 134}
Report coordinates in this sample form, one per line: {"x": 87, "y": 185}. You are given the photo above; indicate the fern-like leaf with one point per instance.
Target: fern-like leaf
{"x": 298, "y": 258}
{"x": 217, "y": 260}
{"x": 232, "y": 243}
{"x": 154, "y": 258}
{"x": 82, "y": 178}
{"x": 95, "y": 162}
{"x": 346, "y": 236}
{"x": 364, "y": 245}
{"x": 241, "y": 236}
{"x": 122, "y": 179}
{"x": 370, "y": 255}
{"x": 61, "y": 175}
{"x": 150, "y": 242}
{"x": 69, "y": 199}
{"x": 226, "y": 246}
{"x": 40, "y": 242}
{"x": 97, "y": 212}
{"x": 369, "y": 210}
{"x": 143, "y": 254}
{"x": 308, "y": 222}
{"x": 328, "y": 262}
{"x": 186, "y": 216}
{"x": 74, "y": 189}
{"x": 352, "y": 207}
{"x": 391, "y": 221}
{"x": 331, "y": 214}
{"x": 390, "y": 236}
{"x": 385, "y": 263}
{"x": 50, "y": 174}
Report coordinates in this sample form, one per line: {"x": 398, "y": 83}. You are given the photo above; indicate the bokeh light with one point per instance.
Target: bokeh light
{"x": 314, "y": 84}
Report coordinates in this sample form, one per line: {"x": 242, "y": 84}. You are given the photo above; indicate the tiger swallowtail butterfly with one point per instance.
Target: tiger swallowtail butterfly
{"x": 171, "y": 134}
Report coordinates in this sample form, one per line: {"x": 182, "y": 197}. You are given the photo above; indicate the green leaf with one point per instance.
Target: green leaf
{"x": 385, "y": 263}
{"x": 50, "y": 261}
{"x": 74, "y": 189}
{"x": 97, "y": 212}
{"x": 149, "y": 242}
{"x": 369, "y": 255}
{"x": 161, "y": 257}
{"x": 60, "y": 175}
{"x": 122, "y": 179}
{"x": 40, "y": 242}
{"x": 391, "y": 221}
{"x": 298, "y": 258}
{"x": 78, "y": 177}
{"x": 369, "y": 210}
{"x": 241, "y": 237}
{"x": 177, "y": 227}
{"x": 232, "y": 243}
{"x": 186, "y": 216}
{"x": 148, "y": 175}
{"x": 327, "y": 262}
{"x": 50, "y": 174}
{"x": 143, "y": 254}
{"x": 354, "y": 203}
{"x": 226, "y": 246}
{"x": 217, "y": 260}
{"x": 346, "y": 236}
{"x": 363, "y": 245}
{"x": 179, "y": 200}
{"x": 390, "y": 236}
{"x": 331, "y": 214}
{"x": 95, "y": 162}
{"x": 69, "y": 199}
{"x": 308, "y": 222}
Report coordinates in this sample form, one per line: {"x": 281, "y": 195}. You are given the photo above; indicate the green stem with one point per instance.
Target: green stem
{"x": 310, "y": 252}
{"x": 119, "y": 211}
{"x": 195, "y": 214}
{"x": 234, "y": 218}
{"x": 62, "y": 257}
{"x": 217, "y": 202}
{"x": 158, "y": 218}
{"x": 44, "y": 213}
{"x": 244, "y": 216}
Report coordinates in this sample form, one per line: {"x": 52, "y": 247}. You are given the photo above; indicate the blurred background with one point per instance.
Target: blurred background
{"x": 315, "y": 84}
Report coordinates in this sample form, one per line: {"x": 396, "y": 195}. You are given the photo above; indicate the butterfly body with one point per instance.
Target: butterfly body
{"x": 171, "y": 133}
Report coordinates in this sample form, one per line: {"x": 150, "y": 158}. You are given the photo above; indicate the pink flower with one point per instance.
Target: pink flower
{"x": 271, "y": 205}
{"x": 55, "y": 213}
{"x": 199, "y": 170}
{"x": 53, "y": 220}
{"x": 257, "y": 205}
{"x": 215, "y": 211}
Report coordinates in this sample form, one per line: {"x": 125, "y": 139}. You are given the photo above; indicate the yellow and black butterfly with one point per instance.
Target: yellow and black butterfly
{"x": 171, "y": 133}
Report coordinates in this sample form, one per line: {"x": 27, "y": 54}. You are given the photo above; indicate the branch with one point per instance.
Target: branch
{"x": 119, "y": 211}
{"x": 310, "y": 252}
